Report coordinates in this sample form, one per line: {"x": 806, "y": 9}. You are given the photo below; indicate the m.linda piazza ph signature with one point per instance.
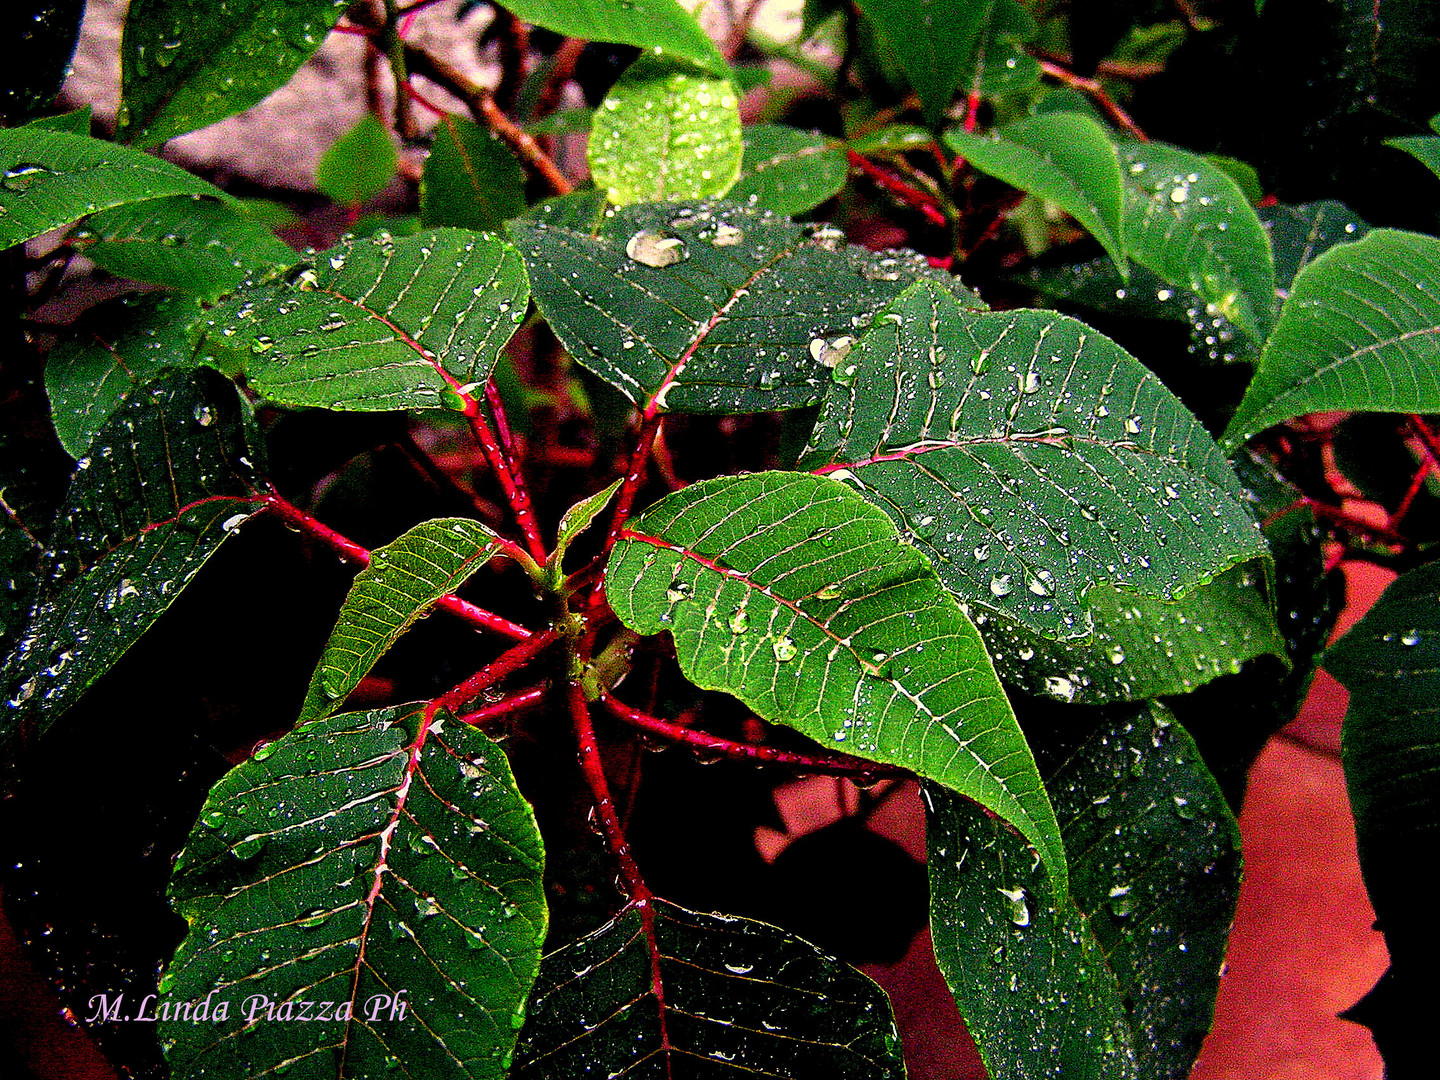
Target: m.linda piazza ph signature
{"x": 253, "y": 1008}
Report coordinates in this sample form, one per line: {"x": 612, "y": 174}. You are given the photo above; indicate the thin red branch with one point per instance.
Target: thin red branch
{"x": 511, "y": 480}
{"x": 634, "y": 477}
{"x": 1096, "y": 91}
{"x": 1337, "y": 516}
{"x": 907, "y": 194}
{"x": 458, "y": 696}
{"x": 480, "y": 617}
{"x": 504, "y": 707}
{"x": 827, "y": 764}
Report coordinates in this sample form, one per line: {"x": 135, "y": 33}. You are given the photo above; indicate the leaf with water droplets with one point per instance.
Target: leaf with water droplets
{"x": 646, "y": 23}
{"x": 598, "y": 1006}
{"x": 375, "y": 324}
{"x": 665, "y": 133}
{"x": 51, "y": 178}
{"x": 1358, "y": 332}
{"x": 1188, "y": 221}
{"x": 850, "y": 638}
{"x": 1064, "y": 157}
{"x": 184, "y": 66}
{"x": 167, "y": 479}
{"x": 403, "y": 581}
{"x": 1120, "y": 981}
{"x": 788, "y": 171}
{"x": 370, "y": 861}
{"x": 710, "y": 307}
{"x": 576, "y": 520}
{"x": 1031, "y": 458}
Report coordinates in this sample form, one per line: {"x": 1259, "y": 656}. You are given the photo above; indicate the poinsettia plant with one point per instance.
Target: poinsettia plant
{"x": 783, "y": 444}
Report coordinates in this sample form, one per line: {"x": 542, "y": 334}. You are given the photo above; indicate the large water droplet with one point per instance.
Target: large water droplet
{"x": 652, "y": 248}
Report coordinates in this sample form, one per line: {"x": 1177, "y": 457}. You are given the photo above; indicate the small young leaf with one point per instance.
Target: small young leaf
{"x": 166, "y": 481}
{"x": 366, "y": 861}
{"x": 1064, "y": 157}
{"x": 577, "y": 519}
{"x": 944, "y": 417}
{"x": 51, "y": 178}
{"x": 646, "y": 23}
{"x": 1358, "y": 332}
{"x": 788, "y": 171}
{"x": 794, "y": 594}
{"x": 710, "y": 307}
{"x": 666, "y": 133}
{"x": 1120, "y": 981}
{"x": 814, "y": 1017}
{"x": 375, "y": 324}
{"x": 359, "y": 164}
{"x": 184, "y": 66}
{"x": 403, "y": 580}
{"x": 471, "y": 179}
{"x": 1189, "y": 221}
{"x": 199, "y": 245}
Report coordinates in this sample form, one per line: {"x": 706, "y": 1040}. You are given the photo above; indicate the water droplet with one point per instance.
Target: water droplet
{"x": 726, "y": 235}
{"x": 18, "y": 178}
{"x": 1031, "y": 383}
{"x": 1000, "y": 585}
{"x": 250, "y": 846}
{"x": 678, "y": 591}
{"x": 739, "y": 621}
{"x": 829, "y": 592}
{"x": 652, "y": 248}
{"x": 784, "y": 649}
{"x": 1410, "y": 637}
{"x": 214, "y": 819}
{"x": 204, "y": 415}
{"x": 1122, "y": 902}
{"x": 1132, "y": 425}
{"x": 1016, "y": 909}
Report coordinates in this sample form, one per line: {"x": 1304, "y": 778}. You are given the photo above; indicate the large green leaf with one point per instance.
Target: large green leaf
{"x": 797, "y": 596}
{"x": 788, "y": 171}
{"x": 471, "y": 179}
{"x": 399, "y": 586}
{"x": 666, "y": 133}
{"x": 1187, "y": 220}
{"x": 1121, "y": 980}
{"x": 711, "y": 307}
{"x": 167, "y": 479}
{"x": 198, "y": 245}
{"x": 1064, "y": 157}
{"x": 1031, "y": 458}
{"x": 740, "y": 999}
{"x": 1359, "y": 332}
{"x": 376, "y": 324}
{"x": 368, "y": 862}
{"x": 646, "y": 23}
{"x": 184, "y": 66}
{"x": 51, "y": 178}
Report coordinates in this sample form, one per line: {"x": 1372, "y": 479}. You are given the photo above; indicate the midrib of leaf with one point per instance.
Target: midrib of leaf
{"x": 1330, "y": 365}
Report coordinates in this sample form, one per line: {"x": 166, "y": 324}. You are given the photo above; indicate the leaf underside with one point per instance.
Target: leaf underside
{"x": 798, "y": 597}
{"x": 345, "y": 862}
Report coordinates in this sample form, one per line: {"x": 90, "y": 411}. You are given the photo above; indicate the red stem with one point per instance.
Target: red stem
{"x": 508, "y": 662}
{"x": 503, "y": 707}
{"x": 1337, "y": 516}
{"x": 911, "y": 196}
{"x": 511, "y": 481}
{"x": 634, "y": 476}
{"x": 830, "y": 765}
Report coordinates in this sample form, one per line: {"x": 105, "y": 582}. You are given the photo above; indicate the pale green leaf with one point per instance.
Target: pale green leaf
{"x": 788, "y": 171}
{"x": 579, "y": 518}
{"x": 794, "y": 594}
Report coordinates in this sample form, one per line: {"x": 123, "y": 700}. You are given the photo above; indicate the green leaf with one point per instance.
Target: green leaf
{"x": 90, "y": 375}
{"x": 1121, "y": 980}
{"x": 893, "y": 139}
{"x": 76, "y": 122}
{"x": 788, "y": 171}
{"x": 1064, "y": 157}
{"x": 359, "y": 164}
{"x": 1390, "y": 662}
{"x": 1031, "y": 458}
{"x": 711, "y": 307}
{"x": 167, "y": 479}
{"x": 184, "y": 66}
{"x": 741, "y": 999}
{"x": 1189, "y": 221}
{"x": 471, "y": 179}
{"x": 666, "y": 133}
{"x": 367, "y": 861}
{"x": 198, "y": 245}
{"x": 51, "y": 178}
{"x": 647, "y": 23}
{"x": 376, "y": 324}
{"x": 1423, "y": 148}
{"x": 576, "y": 520}
{"x": 1359, "y": 331}
{"x": 798, "y": 597}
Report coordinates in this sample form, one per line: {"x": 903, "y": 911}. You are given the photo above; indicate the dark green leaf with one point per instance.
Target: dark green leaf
{"x": 402, "y": 582}
{"x": 1423, "y": 148}
{"x": 363, "y": 860}
{"x": 1190, "y": 223}
{"x": 51, "y": 178}
{"x": 646, "y": 23}
{"x": 359, "y": 164}
{"x": 788, "y": 171}
{"x": 166, "y": 480}
{"x": 376, "y": 324}
{"x": 1064, "y": 157}
{"x": 1299, "y": 233}
{"x": 797, "y": 596}
{"x": 666, "y": 133}
{"x": 40, "y": 37}
{"x": 893, "y": 139}
{"x": 741, "y": 999}
{"x": 471, "y": 179}
{"x": 711, "y": 307}
{"x": 1120, "y": 981}
{"x": 1030, "y": 458}
{"x": 1358, "y": 332}
{"x": 88, "y": 376}
{"x": 198, "y": 245}
{"x": 76, "y": 122}
{"x": 184, "y": 66}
